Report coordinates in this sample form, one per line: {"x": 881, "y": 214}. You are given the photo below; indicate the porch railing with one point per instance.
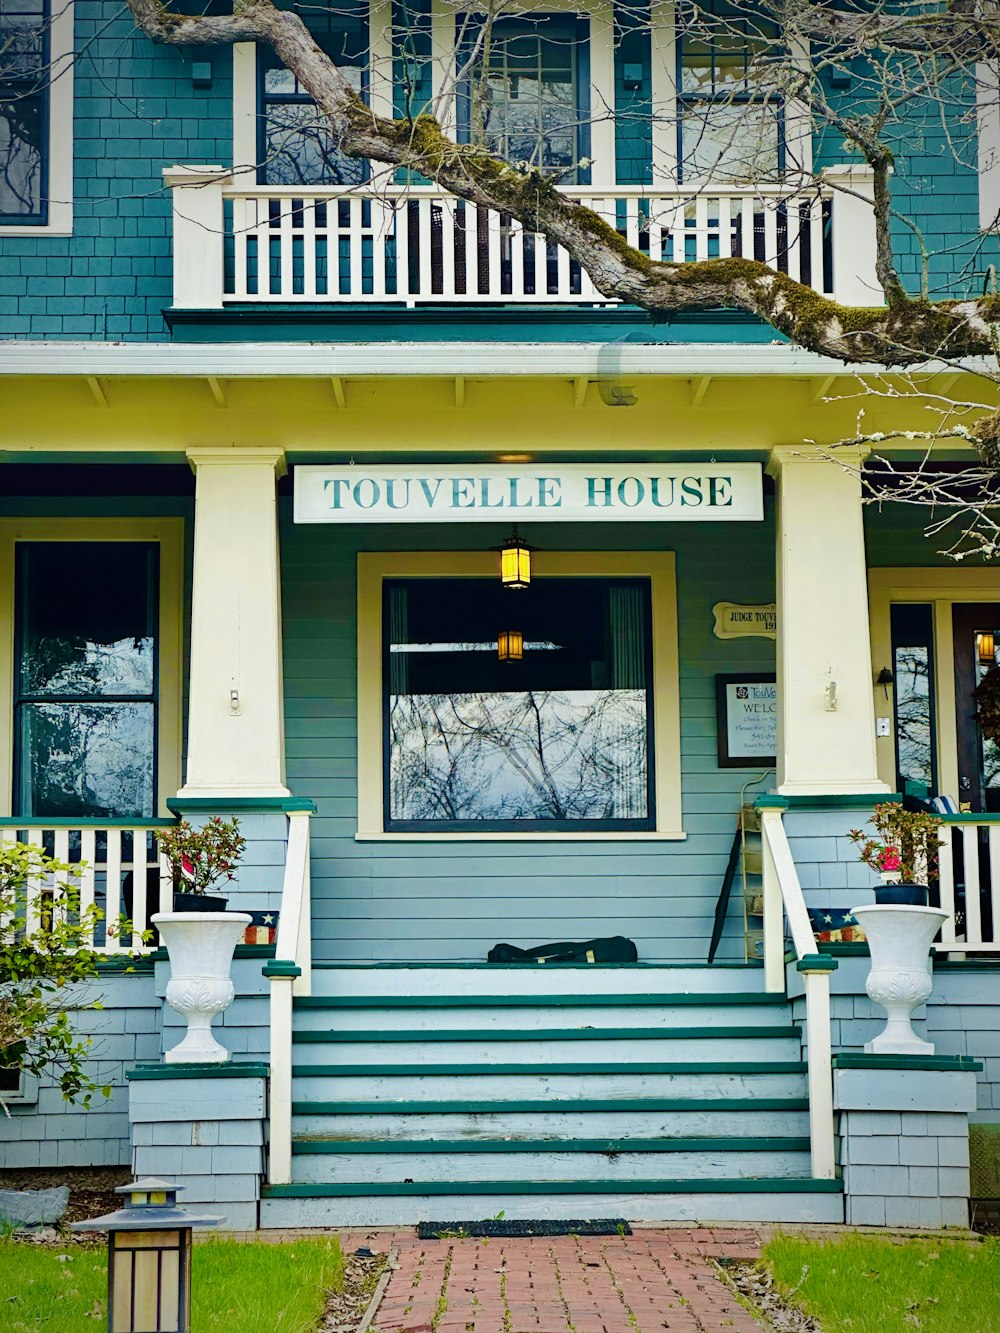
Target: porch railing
{"x": 120, "y": 870}
{"x": 290, "y": 974}
{"x": 783, "y": 898}
{"x": 969, "y": 884}
{"x": 238, "y": 244}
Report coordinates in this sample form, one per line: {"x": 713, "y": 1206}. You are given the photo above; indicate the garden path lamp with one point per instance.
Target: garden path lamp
{"x": 149, "y": 1258}
{"x": 515, "y": 562}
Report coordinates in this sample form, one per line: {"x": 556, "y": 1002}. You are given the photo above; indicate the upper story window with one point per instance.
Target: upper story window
{"x": 24, "y": 110}
{"x": 295, "y": 144}
{"x": 527, "y": 95}
{"x": 730, "y": 125}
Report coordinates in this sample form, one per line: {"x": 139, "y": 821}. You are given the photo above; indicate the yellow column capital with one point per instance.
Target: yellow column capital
{"x": 237, "y": 456}
{"x": 848, "y": 455}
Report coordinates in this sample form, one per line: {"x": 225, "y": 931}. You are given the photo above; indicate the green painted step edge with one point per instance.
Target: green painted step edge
{"x": 370, "y": 1188}
{"x": 529, "y": 1001}
{"x": 689, "y": 1067}
{"x": 307, "y": 1147}
{"x": 565, "y": 1105}
{"x": 234, "y": 1070}
{"x": 752, "y": 965}
{"x": 962, "y": 1063}
{"x": 376, "y": 1035}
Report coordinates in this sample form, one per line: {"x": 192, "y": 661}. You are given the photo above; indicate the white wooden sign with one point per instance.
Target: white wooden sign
{"x": 542, "y": 492}
{"x": 733, "y": 621}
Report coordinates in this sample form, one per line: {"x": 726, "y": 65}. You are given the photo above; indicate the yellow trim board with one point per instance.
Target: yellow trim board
{"x": 169, "y": 533}
{"x": 941, "y": 588}
{"x": 658, "y": 566}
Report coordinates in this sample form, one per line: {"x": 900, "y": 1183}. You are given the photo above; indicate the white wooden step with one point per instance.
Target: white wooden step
{"x": 722, "y": 1205}
{"x": 490, "y": 979}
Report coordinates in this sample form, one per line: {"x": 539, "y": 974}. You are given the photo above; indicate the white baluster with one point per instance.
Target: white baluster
{"x": 34, "y": 890}
{"x": 493, "y": 285}
{"x": 973, "y": 913}
{"x": 946, "y": 884}
{"x": 355, "y": 282}
{"x": 770, "y": 232}
{"x": 88, "y": 854}
{"x": 113, "y": 890}
{"x": 309, "y": 249}
{"x": 516, "y": 242}
{"x": 286, "y": 260}
{"x": 61, "y": 878}
{"x": 140, "y": 909}
{"x": 448, "y": 249}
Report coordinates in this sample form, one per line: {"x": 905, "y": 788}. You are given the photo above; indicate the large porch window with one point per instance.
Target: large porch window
{"x": 85, "y": 679}
{"x": 517, "y": 710}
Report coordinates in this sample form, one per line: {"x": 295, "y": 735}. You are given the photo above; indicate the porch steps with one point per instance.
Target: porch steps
{"x": 538, "y": 1099}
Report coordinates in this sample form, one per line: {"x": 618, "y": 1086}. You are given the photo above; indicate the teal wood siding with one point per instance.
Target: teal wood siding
{"x": 136, "y": 112}
{"x": 451, "y": 901}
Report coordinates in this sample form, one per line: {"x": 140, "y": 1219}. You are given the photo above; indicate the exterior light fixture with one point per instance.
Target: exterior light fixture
{"x": 149, "y": 1259}
{"x": 515, "y": 562}
{"x": 986, "y": 648}
{"x": 510, "y": 645}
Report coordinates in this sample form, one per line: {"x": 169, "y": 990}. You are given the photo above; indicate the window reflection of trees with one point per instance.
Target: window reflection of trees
{"x": 536, "y": 754}
{"x": 913, "y": 713}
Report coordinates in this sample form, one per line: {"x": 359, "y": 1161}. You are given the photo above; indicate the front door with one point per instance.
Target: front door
{"x": 976, "y": 627}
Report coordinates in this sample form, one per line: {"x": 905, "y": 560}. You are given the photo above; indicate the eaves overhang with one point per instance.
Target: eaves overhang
{"x": 388, "y": 360}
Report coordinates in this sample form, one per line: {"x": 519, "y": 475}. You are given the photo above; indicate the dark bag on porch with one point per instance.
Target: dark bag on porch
{"x": 617, "y": 949}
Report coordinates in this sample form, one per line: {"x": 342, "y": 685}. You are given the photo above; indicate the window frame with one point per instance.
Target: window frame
{"x": 57, "y": 167}
{"x": 687, "y": 100}
{"x": 581, "y": 37}
{"x": 658, "y": 567}
{"x": 169, "y": 535}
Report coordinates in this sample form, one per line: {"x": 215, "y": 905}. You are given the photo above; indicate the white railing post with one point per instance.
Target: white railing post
{"x": 820, "y": 1066}
{"x": 282, "y": 976}
{"x": 774, "y": 921}
{"x": 853, "y": 234}
{"x": 198, "y": 232}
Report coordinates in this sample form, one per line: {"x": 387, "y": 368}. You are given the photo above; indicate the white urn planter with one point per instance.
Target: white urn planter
{"x": 899, "y": 938}
{"x": 201, "y": 947}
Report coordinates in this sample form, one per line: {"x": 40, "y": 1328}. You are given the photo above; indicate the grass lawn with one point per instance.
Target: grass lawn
{"x": 866, "y": 1284}
{"x": 237, "y": 1287}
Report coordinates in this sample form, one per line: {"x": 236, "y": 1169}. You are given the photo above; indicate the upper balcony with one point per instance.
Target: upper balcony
{"x": 239, "y": 247}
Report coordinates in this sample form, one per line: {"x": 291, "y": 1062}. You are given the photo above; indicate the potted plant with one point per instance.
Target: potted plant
{"x": 899, "y": 926}
{"x": 904, "y": 853}
{"x": 199, "y": 857}
{"x": 199, "y": 934}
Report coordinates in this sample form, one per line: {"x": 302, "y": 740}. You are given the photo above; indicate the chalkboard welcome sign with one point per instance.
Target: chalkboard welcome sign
{"x": 747, "y": 712}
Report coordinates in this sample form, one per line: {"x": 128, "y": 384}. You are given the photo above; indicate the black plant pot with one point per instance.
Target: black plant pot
{"x": 199, "y": 902}
{"x": 901, "y": 895}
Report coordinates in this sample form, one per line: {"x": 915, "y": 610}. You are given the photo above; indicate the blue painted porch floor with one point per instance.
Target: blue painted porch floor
{"x": 654, "y": 1094}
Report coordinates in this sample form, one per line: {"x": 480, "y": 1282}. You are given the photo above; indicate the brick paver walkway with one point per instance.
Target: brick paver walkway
{"x": 642, "y": 1283}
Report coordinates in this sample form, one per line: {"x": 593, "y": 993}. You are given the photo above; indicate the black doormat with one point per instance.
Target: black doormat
{"x": 600, "y": 1226}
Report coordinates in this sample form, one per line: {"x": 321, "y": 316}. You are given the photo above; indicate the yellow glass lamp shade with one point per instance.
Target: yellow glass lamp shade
{"x": 986, "y": 648}
{"x": 510, "y": 645}
{"x": 515, "y": 563}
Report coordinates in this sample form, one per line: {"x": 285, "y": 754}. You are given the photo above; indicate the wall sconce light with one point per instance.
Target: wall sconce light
{"x": 515, "y": 562}
{"x": 149, "y": 1259}
{"x": 885, "y": 678}
{"x": 510, "y": 645}
{"x": 986, "y": 648}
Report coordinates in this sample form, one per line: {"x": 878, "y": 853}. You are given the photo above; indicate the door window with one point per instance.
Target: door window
{"x": 913, "y": 676}
{"x": 86, "y": 679}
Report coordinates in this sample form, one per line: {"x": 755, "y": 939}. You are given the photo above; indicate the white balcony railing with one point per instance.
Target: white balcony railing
{"x": 238, "y": 245}
{"x": 118, "y": 868}
{"x": 969, "y": 884}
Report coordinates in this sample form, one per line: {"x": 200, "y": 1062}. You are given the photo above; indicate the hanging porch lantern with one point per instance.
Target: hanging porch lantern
{"x": 515, "y": 562}
{"x": 510, "y": 645}
{"x": 986, "y": 648}
{"x": 149, "y": 1259}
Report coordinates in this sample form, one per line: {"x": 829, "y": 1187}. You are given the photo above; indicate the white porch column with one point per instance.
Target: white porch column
{"x": 235, "y": 721}
{"x": 826, "y": 724}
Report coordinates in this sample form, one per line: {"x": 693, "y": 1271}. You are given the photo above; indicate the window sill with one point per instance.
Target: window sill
{"x": 520, "y": 837}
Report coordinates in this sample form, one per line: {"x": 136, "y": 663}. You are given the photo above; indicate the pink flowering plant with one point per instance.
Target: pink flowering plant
{"x": 905, "y": 845}
{"x": 199, "y": 857}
